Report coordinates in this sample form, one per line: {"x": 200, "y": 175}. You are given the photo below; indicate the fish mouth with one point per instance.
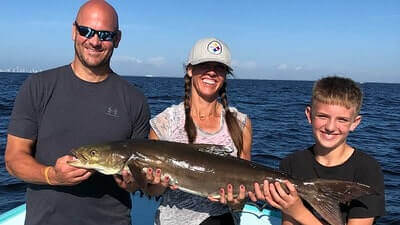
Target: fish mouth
{"x": 78, "y": 157}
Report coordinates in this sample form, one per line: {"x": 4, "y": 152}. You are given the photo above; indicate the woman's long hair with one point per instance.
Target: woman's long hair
{"x": 230, "y": 117}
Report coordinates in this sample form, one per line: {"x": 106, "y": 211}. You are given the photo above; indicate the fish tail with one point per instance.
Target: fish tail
{"x": 325, "y": 195}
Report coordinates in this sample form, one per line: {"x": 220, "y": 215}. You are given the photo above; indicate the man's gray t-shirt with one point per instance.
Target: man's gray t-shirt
{"x": 59, "y": 111}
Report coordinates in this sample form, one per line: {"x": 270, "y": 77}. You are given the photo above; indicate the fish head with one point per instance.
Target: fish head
{"x": 102, "y": 158}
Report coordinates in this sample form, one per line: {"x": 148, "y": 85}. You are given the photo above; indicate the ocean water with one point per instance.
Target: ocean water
{"x": 276, "y": 109}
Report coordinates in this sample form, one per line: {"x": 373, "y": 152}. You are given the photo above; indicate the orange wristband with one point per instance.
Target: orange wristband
{"x": 46, "y": 175}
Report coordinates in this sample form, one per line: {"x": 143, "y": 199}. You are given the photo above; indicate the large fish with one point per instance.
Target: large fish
{"x": 197, "y": 169}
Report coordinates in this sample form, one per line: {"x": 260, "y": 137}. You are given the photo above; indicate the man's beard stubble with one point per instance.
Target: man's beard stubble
{"x": 105, "y": 63}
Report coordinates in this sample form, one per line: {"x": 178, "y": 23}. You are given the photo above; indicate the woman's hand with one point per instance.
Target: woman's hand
{"x": 156, "y": 183}
{"x": 126, "y": 181}
{"x": 226, "y": 197}
{"x": 261, "y": 193}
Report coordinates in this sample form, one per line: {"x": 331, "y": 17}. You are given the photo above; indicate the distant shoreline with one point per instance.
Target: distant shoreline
{"x": 174, "y": 77}
{"x": 235, "y": 78}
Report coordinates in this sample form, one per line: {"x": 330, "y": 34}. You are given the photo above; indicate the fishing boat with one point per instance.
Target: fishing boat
{"x": 14, "y": 216}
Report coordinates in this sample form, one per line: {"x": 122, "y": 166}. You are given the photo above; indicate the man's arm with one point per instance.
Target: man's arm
{"x": 21, "y": 164}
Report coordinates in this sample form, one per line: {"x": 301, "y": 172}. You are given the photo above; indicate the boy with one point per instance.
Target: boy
{"x": 333, "y": 114}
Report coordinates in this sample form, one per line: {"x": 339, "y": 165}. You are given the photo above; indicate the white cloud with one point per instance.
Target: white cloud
{"x": 282, "y": 66}
{"x": 128, "y": 59}
{"x": 297, "y": 68}
{"x": 156, "y": 61}
{"x": 248, "y": 65}
{"x": 153, "y": 61}
{"x": 286, "y": 67}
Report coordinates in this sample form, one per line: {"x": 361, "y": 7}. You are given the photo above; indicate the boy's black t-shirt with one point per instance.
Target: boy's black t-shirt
{"x": 360, "y": 168}
{"x": 59, "y": 111}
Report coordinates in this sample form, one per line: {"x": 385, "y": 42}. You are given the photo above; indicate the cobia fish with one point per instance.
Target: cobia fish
{"x": 195, "y": 168}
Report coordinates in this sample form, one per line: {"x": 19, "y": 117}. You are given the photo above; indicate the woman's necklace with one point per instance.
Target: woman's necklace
{"x": 202, "y": 117}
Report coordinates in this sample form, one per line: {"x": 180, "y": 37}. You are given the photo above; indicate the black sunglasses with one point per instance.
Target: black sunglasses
{"x": 217, "y": 67}
{"x": 90, "y": 32}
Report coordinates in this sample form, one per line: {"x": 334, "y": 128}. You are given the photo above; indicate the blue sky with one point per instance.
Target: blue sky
{"x": 290, "y": 40}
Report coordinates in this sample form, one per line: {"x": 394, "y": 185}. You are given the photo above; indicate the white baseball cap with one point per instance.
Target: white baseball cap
{"x": 209, "y": 50}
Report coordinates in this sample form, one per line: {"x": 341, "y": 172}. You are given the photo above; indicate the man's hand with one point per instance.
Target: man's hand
{"x": 64, "y": 174}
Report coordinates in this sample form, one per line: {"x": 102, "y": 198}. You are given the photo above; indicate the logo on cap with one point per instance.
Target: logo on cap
{"x": 214, "y": 47}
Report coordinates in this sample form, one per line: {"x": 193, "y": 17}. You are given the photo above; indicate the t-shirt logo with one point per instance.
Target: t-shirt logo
{"x": 112, "y": 112}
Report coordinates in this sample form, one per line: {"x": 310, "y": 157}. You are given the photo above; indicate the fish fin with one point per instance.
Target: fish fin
{"x": 325, "y": 195}
{"x": 137, "y": 174}
{"x": 329, "y": 210}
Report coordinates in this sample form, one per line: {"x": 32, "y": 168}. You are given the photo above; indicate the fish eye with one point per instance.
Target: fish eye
{"x": 93, "y": 153}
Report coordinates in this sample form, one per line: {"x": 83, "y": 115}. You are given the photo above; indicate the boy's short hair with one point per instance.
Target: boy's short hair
{"x": 338, "y": 91}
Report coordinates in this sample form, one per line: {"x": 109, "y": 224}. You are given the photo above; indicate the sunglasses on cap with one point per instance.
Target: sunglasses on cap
{"x": 90, "y": 32}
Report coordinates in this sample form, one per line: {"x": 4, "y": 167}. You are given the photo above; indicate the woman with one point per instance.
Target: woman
{"x": 203, "y": 117}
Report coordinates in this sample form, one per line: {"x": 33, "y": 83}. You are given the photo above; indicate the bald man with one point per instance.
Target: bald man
{"x": 81, "y": 103}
